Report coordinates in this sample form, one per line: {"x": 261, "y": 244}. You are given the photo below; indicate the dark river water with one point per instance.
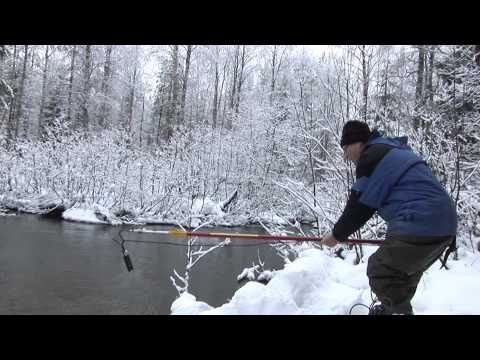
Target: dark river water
{"x": 50, "y": 266}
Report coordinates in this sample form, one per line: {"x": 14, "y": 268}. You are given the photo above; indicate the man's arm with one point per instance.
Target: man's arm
{"x": 354, "y": 216}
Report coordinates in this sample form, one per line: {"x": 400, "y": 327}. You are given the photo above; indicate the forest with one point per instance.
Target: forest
{"x": 229, "y": 134}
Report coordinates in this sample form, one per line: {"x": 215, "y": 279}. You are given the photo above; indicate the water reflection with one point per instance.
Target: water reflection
{"x": 58, "y": 267}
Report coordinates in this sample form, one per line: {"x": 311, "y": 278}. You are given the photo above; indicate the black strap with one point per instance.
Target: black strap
{"x": 451, "y": 248}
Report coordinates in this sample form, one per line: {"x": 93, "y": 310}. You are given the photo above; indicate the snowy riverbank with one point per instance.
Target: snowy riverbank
{"x": 319, "y": 284}
{"x": 201, "y": 211}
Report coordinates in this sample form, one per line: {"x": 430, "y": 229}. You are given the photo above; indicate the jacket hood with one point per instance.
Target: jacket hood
{"x": 377, "y": 138}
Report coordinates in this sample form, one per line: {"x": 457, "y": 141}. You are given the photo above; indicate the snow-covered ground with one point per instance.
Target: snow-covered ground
{"x": 202, "y": 211}
{"x": 82, "y": 215}
{"x": 94, "y": 215}
{"x": 318, "y": 283}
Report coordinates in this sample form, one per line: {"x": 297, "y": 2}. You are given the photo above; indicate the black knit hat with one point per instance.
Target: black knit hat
{"x": 355, "y": 131}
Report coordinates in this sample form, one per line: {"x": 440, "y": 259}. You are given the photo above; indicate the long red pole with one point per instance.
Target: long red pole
{"x": 273, "y": 237}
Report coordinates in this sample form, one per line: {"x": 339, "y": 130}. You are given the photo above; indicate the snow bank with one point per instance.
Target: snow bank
{"x": 94, "y": 214}
{"x": 452, "y": 292}
{"x": 271, "y": 218}
{"x": 206, "y": 207}
{"x": 317, "y": 283}
{"x": 82, "y": 215}
{"x": 256, "y": 298}
{"x": 4, "y": 212}
{"x": 15, "y": 203}
{"x": 186, "y": 304}
{"x": 33, "y": 204}
{"x": 201, "y": 211}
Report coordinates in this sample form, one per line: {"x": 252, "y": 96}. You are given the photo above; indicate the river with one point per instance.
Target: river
{"x": 50, "y": 266}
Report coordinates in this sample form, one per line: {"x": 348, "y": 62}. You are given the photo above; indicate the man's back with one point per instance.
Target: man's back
{"x": 396, "y": 182}
{"x": 404, "y": 190}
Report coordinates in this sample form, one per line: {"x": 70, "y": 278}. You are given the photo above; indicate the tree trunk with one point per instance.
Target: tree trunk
{"x": 33, "y": 59}
{"x": 107, "y": 69}
{"x": 3, "y": 54}
{"x": 87, "y": 70}
{"x": 232, "y": 100}
{"x": 131, "y": 96}
{"x": 429, "y": 85}
{"x": 20, "y": 92}
{"x": 235, "y": 75}
{"x": 272, "y": 84}
{"x": 2, "y": 59}
{"x": 132, "y": 99}
{"x": 220, "y": 93}
{"x": 141, "y": 120}
{"x": 240, "y": 79}
{"x": 215, "y": 98}
{"x": 14, "y": 73}
{"x": 70, "y": 82}
{"x": 365, "y": 82}
{"x": 13, "y": 101}
{"x": 185, "y": 82}
{"x": 27, "y": 124}
{"x": 419, "y": 86}
{"x": 41, "y": 130}
{"x": 160, "y": 113}
{"x": 275, "y": 70}
{"x": 172, "y": 104}
{"x": 385, "y": 88}
{"x": 420, "y": 71}
{"x": 347, "y": 90}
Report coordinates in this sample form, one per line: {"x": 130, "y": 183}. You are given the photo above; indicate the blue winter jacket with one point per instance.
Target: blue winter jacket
{"x": 392, "y": 180}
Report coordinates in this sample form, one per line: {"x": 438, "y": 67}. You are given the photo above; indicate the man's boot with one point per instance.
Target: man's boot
{"x": 401, "y": 309}
{"x": 379, "y": 310}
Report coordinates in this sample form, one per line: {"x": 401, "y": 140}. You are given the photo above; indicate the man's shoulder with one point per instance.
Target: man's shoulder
{"x": 370, "y": 158}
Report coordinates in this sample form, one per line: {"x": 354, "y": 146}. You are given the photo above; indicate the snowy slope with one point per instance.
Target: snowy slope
{"x": 317, "y": 283}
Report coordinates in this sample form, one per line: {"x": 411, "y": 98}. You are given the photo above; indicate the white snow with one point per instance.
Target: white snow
{"x": 3, "y": 213}
{"x": 256, "y": 298}
{"x": 452, "y": 292}
{"x": 266, "y": 275}
{"x": 186, "y": 304}
{"x": 153, "y": 220}
{"x": 271, "y": 218}
{"x": 94, "y": 214}
{"x": 82, "y": 215}
{"x": 248, "y": 273}
{"x": 206, "y": 207}
{"x": 318, "y": 283}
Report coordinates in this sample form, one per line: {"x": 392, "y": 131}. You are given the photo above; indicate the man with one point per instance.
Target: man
{"x": 421, "y": 218}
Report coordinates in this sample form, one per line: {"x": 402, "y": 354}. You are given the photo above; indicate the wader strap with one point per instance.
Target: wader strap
{"x": 451, "y": 248}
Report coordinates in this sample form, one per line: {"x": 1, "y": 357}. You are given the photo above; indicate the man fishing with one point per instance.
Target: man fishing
{"x": 421, "y": 218}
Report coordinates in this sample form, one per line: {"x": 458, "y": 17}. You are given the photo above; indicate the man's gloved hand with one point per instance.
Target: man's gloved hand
{"x": 329, "y": 240}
